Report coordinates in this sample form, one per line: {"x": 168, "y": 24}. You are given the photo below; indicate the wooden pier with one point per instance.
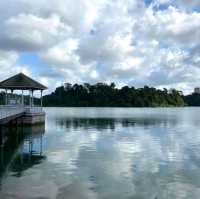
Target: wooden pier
{"x": 21, "y": 115}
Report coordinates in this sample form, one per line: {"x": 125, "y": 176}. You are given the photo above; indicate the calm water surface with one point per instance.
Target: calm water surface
{"x": 103, "y": 153}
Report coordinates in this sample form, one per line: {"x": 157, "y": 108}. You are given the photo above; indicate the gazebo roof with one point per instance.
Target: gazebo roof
{"x": 21, "y": 82}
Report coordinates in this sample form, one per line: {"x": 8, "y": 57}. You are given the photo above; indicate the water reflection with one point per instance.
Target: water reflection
{"x": 20, "y": 148}
{"x": 110, "y": 123}
{"x": 139, "y": 156}
{"x": 108, "y": 154}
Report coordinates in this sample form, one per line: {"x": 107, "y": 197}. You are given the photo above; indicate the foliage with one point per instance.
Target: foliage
{"x": 104, "y": 95}
{"x": 192, "y": 100}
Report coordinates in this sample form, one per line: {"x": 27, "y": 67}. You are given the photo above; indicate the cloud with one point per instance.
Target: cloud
{"x": 8, "y": 64}
{"x": 32, "y": 33}
{"x": 66, "y": 63}
{"x": 128, "y": 42}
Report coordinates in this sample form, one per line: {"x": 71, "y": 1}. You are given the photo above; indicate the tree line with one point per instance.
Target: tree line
{"x": 192, "y": 99}
{"x": 108, "y": 95}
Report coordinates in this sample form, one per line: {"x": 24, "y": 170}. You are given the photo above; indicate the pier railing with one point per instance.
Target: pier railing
{"x": 6, "y": 111}
{"x": 34, "y": 109}
{"x": 10, "y": 110}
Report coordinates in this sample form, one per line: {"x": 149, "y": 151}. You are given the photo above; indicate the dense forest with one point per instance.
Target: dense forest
{"x": 104, "y": 95}
{"x": 192, "y": 100}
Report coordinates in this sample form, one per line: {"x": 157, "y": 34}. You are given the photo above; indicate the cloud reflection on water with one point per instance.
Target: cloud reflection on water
{"x": 136, "y": 157}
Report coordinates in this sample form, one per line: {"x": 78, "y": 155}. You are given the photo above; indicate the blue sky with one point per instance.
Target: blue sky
{"x": 32, "y": 60}
{"x": 134, "y": 42}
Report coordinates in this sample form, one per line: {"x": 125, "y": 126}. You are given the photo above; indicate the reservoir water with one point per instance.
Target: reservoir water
{"x": 103, "y": 153}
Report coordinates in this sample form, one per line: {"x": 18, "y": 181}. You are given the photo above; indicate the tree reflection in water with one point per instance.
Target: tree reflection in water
{"x": 111, "y": 123}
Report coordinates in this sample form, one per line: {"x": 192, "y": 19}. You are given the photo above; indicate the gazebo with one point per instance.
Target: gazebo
{"x": 23, "y": 83}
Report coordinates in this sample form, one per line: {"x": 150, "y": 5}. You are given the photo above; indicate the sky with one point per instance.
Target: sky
{"x": 129, "y": 42}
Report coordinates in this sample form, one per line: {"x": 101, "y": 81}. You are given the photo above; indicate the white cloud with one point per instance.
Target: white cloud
{"x": 32, "y": 33}
{"x": 8, "y": 65}
{"x": 66, "y": 63}
{"x": 121, "y": 41}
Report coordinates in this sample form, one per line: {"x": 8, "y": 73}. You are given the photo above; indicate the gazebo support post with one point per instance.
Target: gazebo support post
{"x": 12, "y": 97}
{"x": 6, "y": 100}
{"x": 29, "y": 98}
{"x": 41, "y": 104}
{"x": 32, "y": 104}
{"x": 22, "y": 98}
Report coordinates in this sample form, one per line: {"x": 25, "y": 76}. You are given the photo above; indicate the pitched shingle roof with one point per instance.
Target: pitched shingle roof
{"x": 21, "y": 82}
